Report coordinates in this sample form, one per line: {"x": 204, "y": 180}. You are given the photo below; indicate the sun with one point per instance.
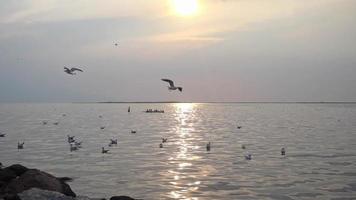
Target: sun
{"x": 185, "y": 7}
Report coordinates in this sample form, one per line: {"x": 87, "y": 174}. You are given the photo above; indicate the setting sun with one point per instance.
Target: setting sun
{"x": 185, "y": 7}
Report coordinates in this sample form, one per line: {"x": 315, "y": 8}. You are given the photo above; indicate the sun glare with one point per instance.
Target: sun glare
{"x": 185, "y": 7}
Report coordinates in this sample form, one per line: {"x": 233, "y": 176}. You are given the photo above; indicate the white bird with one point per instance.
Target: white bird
{"x": 71, "y": 70}
{"x": 171, "y": 85}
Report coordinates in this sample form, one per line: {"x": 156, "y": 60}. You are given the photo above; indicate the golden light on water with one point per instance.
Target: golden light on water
{"x": 185, "y": 7}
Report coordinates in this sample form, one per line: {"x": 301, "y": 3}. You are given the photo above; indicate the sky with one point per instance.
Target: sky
{"x": 217, "y": 50}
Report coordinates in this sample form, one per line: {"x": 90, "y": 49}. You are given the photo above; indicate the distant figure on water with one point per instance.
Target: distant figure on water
{"x": 70, "y": 139}
{"x": 103, "y": 150}
{"x": 133, "y": 131}
{"x": 2, "y": 134}
{"x": 129, "y": 109}
{"x": 239, "y": 127}
{"x": 208, "y": 146}
{"x": 283, "y": 151}
{"x": 102, "y": 127}
{"x": 171, "y": 85}
{"x": 243, "y": 146}
{"x": 112, "y": 142}
{"x": 164, "y": 140}
{"x": 20, "y": 145}
{"x": 248, "y": 157}
{"x": 160, "y": 145}
{"x": 72, "y": 70}
{"x": 73, "y": 147}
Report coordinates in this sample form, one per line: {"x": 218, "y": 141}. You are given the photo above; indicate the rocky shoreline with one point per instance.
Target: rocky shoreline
{"x": 18, "y": 182}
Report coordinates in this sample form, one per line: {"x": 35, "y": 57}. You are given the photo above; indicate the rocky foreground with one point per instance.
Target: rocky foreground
{"x": 21, "y": 183}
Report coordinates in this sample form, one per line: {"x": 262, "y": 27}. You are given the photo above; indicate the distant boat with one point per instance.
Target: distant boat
{"x": 154, "y": 111}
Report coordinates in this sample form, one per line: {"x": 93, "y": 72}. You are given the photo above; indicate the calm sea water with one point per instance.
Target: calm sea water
{"x": 320, "y": 140}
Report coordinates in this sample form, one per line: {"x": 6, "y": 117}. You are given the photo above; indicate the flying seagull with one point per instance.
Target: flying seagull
{"x": 171, "y": 85}
{"x": 71, "y": 70}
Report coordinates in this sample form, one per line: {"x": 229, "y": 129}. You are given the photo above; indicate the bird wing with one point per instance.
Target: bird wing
{"x": 180, "y": 89}
{"x": 169, "y": 81}
{"x": 76, "y": 69}
{"x": 66, "y": 68}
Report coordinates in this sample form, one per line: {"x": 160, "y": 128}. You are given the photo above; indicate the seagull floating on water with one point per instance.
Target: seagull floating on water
{"x": 171, "y": 85}
{"x": 133, "y": 131}
{"x": 70, "y": 139}
{"x": 208, "y": 146}
{"x": 73, "y": 147}
{"x": 283, "y": 151}
{"x": 102, "y": 127}
{"x": 103, "y": 150}
{"x": 20, "y": 145}
{"x": 248, "y": 157}
{"x": 112, "y": 142}
{"x": 72, "y": 70}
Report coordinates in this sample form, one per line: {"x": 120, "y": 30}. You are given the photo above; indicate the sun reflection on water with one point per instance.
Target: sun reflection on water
{"x": 185, "y": 177}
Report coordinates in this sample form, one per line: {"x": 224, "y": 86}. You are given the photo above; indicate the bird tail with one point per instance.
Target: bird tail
{"x": 180, "y": 89}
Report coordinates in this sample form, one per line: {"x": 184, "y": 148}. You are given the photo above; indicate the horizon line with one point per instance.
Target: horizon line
{"x": 138, "y": 102}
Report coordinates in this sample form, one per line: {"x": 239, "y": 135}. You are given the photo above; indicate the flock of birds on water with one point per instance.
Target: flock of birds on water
{"x": 75, "y": 145}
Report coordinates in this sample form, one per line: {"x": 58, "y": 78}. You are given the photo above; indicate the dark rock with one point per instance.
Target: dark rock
{"x": 18, "y": 169}
{"x": 7, "y": 175}
{"x": 34, "y": 178}
{"x": 38, "y": 194}
{"x": 121, "y": 198}
{"x": 11, "y": 197}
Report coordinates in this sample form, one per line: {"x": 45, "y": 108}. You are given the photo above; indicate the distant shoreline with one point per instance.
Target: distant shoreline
{"x": 244, "y": 102}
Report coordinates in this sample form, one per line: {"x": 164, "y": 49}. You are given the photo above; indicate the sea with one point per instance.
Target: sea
{"x": 319, "y": 139}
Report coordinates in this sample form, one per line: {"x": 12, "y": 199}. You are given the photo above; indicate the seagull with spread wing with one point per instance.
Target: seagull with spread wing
{"x": 171, "y": 85}
{"x": 71, "y": 70}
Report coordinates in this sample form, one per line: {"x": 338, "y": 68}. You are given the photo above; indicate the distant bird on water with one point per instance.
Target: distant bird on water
{"x": 2, "y": 134}
{"x": 72, "y": 70}
{"x": 248, "y": 157}
{"x": 20, "y": 145}
{"x": 208, "y": 146}
{"x": 103, "y": 150}
{"x": 283, "y": 151}
{"x": 171, "y": 85}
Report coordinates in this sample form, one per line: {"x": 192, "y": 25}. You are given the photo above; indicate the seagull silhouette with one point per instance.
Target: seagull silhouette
{"x": 171, "y": 85}
{"x": 71, "y": 70}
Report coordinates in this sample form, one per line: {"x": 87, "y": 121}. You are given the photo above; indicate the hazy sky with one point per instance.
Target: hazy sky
{"x": 217, "y": 50}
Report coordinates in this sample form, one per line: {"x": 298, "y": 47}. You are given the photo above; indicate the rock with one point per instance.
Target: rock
{"x": 11, "y": 197}
{"x": 38, "y": 194}
{"x": 34, "y": 178}
{"x": 18, "y": 169}
{"x": 7, "y": 175}
{"x": 121, "y": 198}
